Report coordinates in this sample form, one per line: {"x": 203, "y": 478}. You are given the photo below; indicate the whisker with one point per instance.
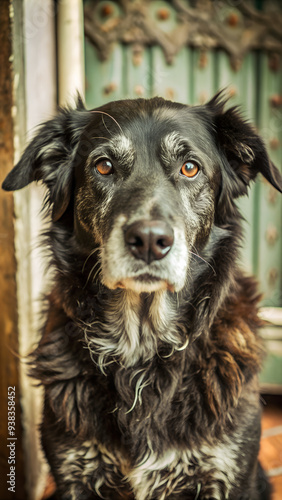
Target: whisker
{"x": 101, "y": 137}
{"x": 104, "y": 123}
{"x": 95, "y": 275}
{"x": 107, "y": 114}
{"x": 88, "y": 257}
{"x": 206, "y": 262}
{"x": 91, "y": 271}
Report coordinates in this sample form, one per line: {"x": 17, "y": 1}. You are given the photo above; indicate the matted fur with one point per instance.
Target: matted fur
{"x": 149, "y": 362}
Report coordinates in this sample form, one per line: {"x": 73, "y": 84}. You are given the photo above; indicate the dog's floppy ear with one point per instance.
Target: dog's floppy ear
{"x": 243, "y": 150}
{"x": 49, "y": 157}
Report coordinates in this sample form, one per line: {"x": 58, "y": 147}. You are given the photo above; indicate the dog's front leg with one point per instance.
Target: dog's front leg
{"x": 82, "y": 469}
{"x": 84, "y": 474}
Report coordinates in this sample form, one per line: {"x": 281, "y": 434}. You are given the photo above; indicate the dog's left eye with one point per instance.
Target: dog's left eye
{"x": 189, "y": 169}
{"x": 104, "y": 166}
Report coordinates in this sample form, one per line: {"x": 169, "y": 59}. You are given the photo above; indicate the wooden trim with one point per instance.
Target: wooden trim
{"x": 9, "y": 361}
{"x": 272, "y": 314}
{"x": 266, "y": 388}
{"x": 70, "y": 50}
{"x": 35, "y": 101}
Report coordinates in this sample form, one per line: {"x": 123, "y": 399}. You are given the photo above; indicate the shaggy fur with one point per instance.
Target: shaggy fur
{"x": 150, "y": 353}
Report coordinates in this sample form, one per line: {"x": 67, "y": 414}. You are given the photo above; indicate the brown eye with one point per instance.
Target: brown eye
{"x": 189, "y": 169}
{"x": 104, "y": 167}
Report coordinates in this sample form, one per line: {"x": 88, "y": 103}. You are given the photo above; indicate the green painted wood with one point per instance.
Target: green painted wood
{"x": 137, "y": 73}
{"x": 271, "y": 374}
{"x": 104, "y": 81}
{"x": 242, "y": 87}
{"x": 171, "y": 81}
{"x": 202, "y": 76}
{"x": 269, "y": 237}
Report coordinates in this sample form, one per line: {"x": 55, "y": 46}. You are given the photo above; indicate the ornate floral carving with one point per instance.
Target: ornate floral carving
{"x": 209, "y": 24}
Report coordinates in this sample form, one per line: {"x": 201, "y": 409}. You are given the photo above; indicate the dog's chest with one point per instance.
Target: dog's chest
{"x": 146, "y": 423}
{"x": 153, "y": 404}
{"x": 207, "y": 472}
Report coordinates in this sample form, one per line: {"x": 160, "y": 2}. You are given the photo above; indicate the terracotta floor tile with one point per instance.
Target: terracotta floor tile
{"x": 271, "y": 442}
{"x": 271, "y": 453}
{"x": 277, "y": 486}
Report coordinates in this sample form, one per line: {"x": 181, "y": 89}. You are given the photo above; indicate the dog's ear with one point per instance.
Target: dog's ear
{"x": 50, "y": 156}
{"x": 244, "y": 152}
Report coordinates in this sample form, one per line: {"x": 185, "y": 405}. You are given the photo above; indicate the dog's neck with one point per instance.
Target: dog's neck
{"x": 135, "y": 327}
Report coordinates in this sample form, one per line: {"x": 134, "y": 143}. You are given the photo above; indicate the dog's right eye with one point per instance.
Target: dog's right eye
{"x": 104, "y": 166}
{"x": 189, "y": 169}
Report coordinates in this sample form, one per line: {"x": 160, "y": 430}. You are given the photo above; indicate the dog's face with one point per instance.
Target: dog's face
{"x": 146, "y": 193}
{"x": 146, "y": 182}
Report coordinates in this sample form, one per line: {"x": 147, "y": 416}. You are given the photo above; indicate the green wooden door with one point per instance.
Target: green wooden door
{"x": 187, "y": 53}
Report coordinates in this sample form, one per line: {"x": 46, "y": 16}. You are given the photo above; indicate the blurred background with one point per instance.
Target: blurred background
{"x": 182, "y": 50}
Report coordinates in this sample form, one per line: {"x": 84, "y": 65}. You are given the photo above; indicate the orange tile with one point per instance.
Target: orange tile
{"x": 271, "y": 452}
{"x": 277, "y": 487}
{"x": 271, "y": 445}
{"x": 271, "y": 418}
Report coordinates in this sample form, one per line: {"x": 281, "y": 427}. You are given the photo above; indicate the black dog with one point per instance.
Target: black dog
{"x": 150, "y": 354}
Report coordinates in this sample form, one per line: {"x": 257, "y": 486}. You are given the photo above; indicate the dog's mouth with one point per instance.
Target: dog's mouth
{"x": 148, "y": 278}
{"x": 145, "y": 282}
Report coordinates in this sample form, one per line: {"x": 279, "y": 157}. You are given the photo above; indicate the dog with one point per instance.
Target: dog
{"x": 150, "y": 354}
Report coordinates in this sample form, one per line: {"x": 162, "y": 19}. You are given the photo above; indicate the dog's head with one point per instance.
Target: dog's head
{"x": 145, "y": 181}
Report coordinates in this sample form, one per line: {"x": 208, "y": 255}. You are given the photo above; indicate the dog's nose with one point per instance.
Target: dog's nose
{"x": 149, "y": 240}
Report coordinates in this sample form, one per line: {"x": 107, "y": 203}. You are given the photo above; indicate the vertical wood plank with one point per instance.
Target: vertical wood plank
{"x": 9, "y": 364}
{"x": 242, "y": 87}
{"x": 171, "y": 81}
{"x": 70, "y": 50}
{"x": 270, "y": 202}
{"x": 103, "y": 79}
{"x": 203, "y": 76}
{"x": 35, "y": 101}
{"x": 138, "y": 73}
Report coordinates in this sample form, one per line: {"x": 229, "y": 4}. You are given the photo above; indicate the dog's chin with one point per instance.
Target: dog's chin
{"x": 142, "y": 284}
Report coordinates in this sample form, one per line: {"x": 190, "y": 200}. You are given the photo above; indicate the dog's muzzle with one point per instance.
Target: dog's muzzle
{"x": 145, "y": 255}
{"x": 149, "y": 240}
